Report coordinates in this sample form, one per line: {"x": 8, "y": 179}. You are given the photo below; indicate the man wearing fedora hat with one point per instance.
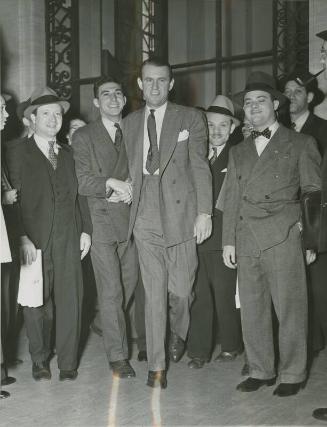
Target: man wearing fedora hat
{"x": 262, "y": 237}
{"x": 213, "y": 277}
{"x": 301, "y": 88}
{"x": 54, "y": 219}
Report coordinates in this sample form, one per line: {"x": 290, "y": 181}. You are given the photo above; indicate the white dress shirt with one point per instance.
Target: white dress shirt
{"x": 219, "y": 149}
{"x": 110, "y": 126}
{"x": 43, "y": 145}
{"x": 299, "y": 122}
{"x": 261, "y": 142}
{"x": 159, "y": 116}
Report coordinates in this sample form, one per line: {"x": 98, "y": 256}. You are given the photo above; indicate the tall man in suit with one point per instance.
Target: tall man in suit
{"x": 215, "y": 285}
{"x": 103, "y": 177}
{"x": 171, "y": 209}
{"x": 261, "y": 233}
{"x": 301, "y": 88}
{"x": 51, "y": 218}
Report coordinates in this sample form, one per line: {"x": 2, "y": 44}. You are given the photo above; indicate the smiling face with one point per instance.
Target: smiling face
{"x": 3, "y": 113}
{"x": 110, "y": 101}
{"x": 299, "y": 98}
{"x": 259, "y": 109}
{"x": 155, "y": 84}
{"x": 47, "y": 120}
{"x": 220, "y": 127}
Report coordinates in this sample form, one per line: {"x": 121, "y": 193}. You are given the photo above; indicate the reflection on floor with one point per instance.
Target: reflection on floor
{"x": 206, "y": 397}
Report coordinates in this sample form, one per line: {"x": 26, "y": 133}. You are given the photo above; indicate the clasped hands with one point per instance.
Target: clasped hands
{"x": 122, "y": 190}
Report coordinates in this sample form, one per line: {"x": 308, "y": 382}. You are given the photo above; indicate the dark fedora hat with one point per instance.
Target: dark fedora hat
{"x": 259, "y": 80}
{"x": 44, "y": 96}
{"x": 322, "y": 35}
{"x": 307, "y": 80}
{"x": 223, "y": 105}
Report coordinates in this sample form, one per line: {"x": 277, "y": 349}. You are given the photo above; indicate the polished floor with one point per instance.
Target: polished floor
{"x": 206, "y": 397}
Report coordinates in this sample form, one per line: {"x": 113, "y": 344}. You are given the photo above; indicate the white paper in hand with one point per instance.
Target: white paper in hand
{"x": 30, "y": 291}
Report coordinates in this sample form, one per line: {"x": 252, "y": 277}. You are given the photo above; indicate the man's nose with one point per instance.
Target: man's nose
{"x": 155, "y": 84}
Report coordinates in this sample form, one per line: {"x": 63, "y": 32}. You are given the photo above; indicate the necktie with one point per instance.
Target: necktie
{"x": 118, "y": 136}
{"x": 266, "y": 133}
{"x": 293, "y": 125}
{"x": 52, "y": 155}
{"x": 214, "y": 157}
{"x": 152, "y": 161}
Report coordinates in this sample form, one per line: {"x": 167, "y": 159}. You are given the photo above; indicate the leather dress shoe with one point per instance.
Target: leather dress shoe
{"x": 253, "y": 384}
{"x": 320, "y": 414}
{"x": 41, "y": 371}
{"x": 196, "y": 363}
{"x": 226, "y": 356}
{"x": 96, "y": 329}
{"x": 287, "y": 389}
{"x": 245, "y": 370}
{"x": 122, "y": 369}
{"x": 176, "y": 347}
{"x": 4, "y": 394}
{"x": 68, "y": 375}
{"x": 8, "y": 380}
{"x": 157, "y": 379}
{"x": 142, "y": 356}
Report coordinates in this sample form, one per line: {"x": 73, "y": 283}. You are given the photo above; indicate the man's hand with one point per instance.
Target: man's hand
{"x": 119, "y": 187}
{"x": 116, "y": 198}
{"x": 310, "y": 256}
{"x": 84, "y": 244}
{"x": 9, "y": 197}
{"x": 202, "y": 227}
{"x": 27, "y": 251}
{"x": 229, "y": 256}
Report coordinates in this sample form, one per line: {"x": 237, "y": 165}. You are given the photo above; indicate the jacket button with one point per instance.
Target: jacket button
{"x": 100, "y": 170}
{"x": 240, "y": 176}
{"x": 178, "y": 201}
{"x": 267, "y": 197}
{"x": 245, "y": 198}
{"x": 174, "y": 181}
{"x": 241, "y": 217}
{"x": 276, "y": 176}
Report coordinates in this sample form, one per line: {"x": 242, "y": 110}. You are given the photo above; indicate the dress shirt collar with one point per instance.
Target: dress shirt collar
{"x": 299, "y": 122}
{"x": 219, "y": 149}
{"x": 158, "y": 112}
{"x": 43, "y": 144}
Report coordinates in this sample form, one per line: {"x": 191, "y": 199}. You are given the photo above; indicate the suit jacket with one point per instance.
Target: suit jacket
{"x": 185, "y": 184}
{"x": 316, "y": 127}
{"x": 96, "y": 160}
{"x": 29, "y": 174}
{"x": 213, "y": 243}
{"x": 262, "y": 193}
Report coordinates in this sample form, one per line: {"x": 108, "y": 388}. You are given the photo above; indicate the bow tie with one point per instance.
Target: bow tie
{"x": 266, "y": 133}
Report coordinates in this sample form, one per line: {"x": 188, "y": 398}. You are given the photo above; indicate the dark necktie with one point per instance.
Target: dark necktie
{"x": 214, "y": 157}
{"x": 293, "y": 125}
{"x": 118, "y": 136}
{"x": 152, "y": 161}
{"x": 266, "y": 133}
{"x": 52, "y": 155}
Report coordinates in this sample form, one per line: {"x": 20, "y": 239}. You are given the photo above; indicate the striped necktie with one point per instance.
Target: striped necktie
{"x": 52, "y": 155}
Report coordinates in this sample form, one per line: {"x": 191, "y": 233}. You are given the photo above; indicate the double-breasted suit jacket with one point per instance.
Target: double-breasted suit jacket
{"x": 262, "y": 193}
{"x": 185, "y": 187}
{"x": 114, "y": 259}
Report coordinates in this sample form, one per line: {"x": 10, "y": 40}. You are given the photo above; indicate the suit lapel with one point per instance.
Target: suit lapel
{"x": 308, "y": 124}
{"x": 169, "y": 135}
{"x": 102, "y": 143}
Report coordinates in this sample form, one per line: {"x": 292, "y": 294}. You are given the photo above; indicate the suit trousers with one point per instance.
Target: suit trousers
{"x": 214, "y": 290}
{"x": 62, "y": 277}
{"x": 116, "y": 274}
{"x": 278, "y": 276}
{"x": 163, "y": 270}
{"x": 139, "y": 315}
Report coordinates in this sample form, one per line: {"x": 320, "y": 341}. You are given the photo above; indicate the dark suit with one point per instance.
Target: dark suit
{"x": 51, "y": 216}
{"x": 213, "y": 277}
{"x": 261, "y": 215}
{"x": 317, "y": 127}
{"x": 114, "y": 261}
{"x": 163, "y": 214}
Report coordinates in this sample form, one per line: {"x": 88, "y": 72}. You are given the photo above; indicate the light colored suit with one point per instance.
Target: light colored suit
{"x": 261, "y": 216}
{"x": 163, "y": 214}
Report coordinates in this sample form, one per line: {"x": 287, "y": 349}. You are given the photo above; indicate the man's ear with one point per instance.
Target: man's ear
{"x": 33, "y": 118}
{"x": 171, "y": 84}
{"x": 140, "y": 83}
{"x": 310, "y": 97}
{"x": 125, "y": 100}
{"x": 96, "y": 102}
{"x": 276, "y": 104}
{"x": 232, "y": 128}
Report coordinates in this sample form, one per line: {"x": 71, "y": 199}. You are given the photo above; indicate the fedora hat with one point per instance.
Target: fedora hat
{"x": 44, "y": 96}
{"x": 305, "y": 79}
{"x": 223, "y": 105}
{"x": 259, "y": 80}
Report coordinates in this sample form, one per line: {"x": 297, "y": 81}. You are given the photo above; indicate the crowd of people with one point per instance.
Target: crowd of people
{"x": 196, "y": 213}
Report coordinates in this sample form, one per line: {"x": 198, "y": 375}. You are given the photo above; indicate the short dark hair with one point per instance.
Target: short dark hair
{"x": 101, "y": 81}
{"x": 158, "y": 62}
